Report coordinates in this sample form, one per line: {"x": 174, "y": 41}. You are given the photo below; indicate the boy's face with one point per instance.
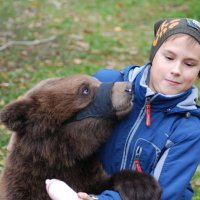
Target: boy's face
{"x": 175, "y": 66}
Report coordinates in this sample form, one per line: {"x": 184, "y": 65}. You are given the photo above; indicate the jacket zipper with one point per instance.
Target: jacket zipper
{"x": 137, "y": 159}
{"x": 148, "y": 111}
{"x": 135, "y": 127}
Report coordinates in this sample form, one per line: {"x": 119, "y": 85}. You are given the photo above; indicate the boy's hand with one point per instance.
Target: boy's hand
{"x": 83, "y": 196}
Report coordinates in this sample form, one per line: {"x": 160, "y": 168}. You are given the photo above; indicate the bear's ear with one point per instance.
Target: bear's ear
{"x": 14, "y": 115}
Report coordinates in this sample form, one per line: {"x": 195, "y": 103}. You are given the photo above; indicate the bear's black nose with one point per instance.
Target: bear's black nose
{"x": 128, "y": 88}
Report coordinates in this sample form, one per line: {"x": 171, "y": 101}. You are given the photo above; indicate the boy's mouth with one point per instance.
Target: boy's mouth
{"x": 172, "y": 82}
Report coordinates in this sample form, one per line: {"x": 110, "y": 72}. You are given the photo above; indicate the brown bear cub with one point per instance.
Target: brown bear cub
{"x": 59, "y": 126}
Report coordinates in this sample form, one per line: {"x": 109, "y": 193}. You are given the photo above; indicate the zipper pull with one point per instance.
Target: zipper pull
{"x": 136, "y": 159}
{"x": 148, "y": 112}
{"x": 137, "y": 166}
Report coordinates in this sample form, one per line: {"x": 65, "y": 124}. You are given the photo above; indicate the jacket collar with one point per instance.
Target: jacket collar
{"x": 183, "y": 102}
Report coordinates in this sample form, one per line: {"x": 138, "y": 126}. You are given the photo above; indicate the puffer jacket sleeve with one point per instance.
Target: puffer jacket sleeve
{"x": 112, "y": 75}
{"x": 179, "y": 162}
{"x": 109, "y": 195}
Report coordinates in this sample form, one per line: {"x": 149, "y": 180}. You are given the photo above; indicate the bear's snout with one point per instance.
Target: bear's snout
{"x": 122, "y": 98}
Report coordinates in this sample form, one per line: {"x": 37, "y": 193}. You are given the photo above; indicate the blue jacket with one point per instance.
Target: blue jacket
{"x": 168, "y": 149}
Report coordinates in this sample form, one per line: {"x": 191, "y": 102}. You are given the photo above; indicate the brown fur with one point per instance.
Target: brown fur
{"x": 47, "y": 147}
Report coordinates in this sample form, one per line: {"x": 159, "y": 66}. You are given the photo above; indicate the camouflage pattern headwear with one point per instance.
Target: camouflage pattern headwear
{"x": 166, "y": 27}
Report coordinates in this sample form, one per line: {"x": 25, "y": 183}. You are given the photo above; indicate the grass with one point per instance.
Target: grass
{"x": 89, "y": 35}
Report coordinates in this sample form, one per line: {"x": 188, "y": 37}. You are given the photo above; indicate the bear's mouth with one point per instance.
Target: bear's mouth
{"x": 121, "y": 111}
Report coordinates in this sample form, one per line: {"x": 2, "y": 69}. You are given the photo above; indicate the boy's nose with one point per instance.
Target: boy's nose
{"x": 176, "y": 69}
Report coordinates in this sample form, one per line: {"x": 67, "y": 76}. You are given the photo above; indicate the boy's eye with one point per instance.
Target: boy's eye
{"x": 189, "y": 64}
{"x": 169, "y": 57}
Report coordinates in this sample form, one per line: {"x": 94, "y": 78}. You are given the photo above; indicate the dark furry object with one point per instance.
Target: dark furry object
{"x": 138, "y": 186}
{"x": 48, "y": 144}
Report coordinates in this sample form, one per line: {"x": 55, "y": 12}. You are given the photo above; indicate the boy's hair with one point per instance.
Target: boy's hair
{"x": 190, "y": 39}
{"x": 167, "y": 27}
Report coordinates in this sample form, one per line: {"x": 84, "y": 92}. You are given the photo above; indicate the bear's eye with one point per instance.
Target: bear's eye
{"x": 86, "y": 90}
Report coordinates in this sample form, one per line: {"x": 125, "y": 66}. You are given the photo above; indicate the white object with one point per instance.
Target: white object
{"x": 58, "y": 190}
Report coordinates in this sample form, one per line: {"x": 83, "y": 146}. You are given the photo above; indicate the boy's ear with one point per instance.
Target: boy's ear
{"x": 15, "y": 114}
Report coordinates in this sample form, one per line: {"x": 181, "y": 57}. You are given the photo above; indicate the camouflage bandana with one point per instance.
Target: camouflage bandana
{"x": 168, "y": 27}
